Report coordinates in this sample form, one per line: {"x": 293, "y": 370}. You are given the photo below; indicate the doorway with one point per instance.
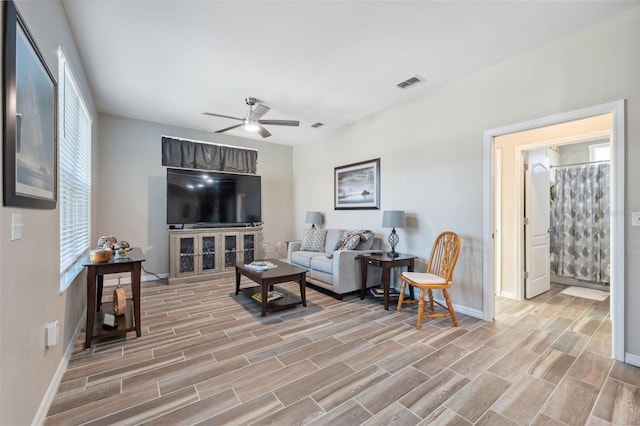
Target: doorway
{"x": 510, "y": 271}
{"x": 568, "y": 210}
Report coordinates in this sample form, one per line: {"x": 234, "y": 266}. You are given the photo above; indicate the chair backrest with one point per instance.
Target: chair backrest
{"x": 444, "y": 255}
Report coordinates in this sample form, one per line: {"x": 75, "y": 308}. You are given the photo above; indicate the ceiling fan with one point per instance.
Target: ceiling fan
{"x": 252, "y": 122}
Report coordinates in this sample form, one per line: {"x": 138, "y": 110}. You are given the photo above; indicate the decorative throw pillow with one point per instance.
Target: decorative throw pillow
{"x": 348, "y": 242}
{"x": 365, "y": 234}
{"x": 352, "y": 239}
{"x": 313, "y": 239}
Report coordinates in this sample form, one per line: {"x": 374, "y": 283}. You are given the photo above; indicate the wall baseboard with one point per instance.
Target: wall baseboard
{"x": 476, "y": 313}
{"x": 508, "y": 295}
{"x": 632, "y": 359}
{"x": 47, "y": 400}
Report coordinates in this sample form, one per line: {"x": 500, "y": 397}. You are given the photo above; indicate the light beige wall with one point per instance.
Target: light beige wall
{"x": 132, "y": 202}
{"x": 511, "y": 221}
{"x": 431, "y": 148}
{"x": 29, "y": 281}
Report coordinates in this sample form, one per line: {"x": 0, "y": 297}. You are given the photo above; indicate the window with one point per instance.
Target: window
{"x": 599, "y": 152}
{"x": 74, "y": 158}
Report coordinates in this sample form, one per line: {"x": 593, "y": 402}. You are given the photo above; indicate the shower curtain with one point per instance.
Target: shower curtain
{"x": 580, "y": 223}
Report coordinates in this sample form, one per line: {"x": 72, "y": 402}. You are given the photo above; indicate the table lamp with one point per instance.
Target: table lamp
{"x": 393, "y": 219}
{"x": 313, "y": 218}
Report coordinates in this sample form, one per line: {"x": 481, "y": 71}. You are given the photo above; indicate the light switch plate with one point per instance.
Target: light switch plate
{"x": 16, "y": 226}
{"x": 635, "y": 218}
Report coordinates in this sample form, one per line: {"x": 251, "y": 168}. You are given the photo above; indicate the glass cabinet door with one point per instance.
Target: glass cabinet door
{"x": 248, "y": 245}
{"x": 208, "y": 247}
{"x": 230, "y": 250}
{"x": 187, "y": 254}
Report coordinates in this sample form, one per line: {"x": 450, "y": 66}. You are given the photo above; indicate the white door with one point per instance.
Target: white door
{"x": 536, "y": 207}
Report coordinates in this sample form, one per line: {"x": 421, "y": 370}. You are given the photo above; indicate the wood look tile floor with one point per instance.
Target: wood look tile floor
{"x": 207, "y": 357}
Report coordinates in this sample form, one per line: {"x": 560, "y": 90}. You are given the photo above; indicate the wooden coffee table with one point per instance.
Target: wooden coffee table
{"x": 266, "y": 279}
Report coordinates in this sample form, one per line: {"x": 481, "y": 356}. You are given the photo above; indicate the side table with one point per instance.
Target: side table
{"x": 386, "y": 263}
{"x": 130, "y": 321}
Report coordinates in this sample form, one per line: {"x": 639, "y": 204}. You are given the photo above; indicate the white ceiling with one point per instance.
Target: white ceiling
{"x": 333, "y": 62}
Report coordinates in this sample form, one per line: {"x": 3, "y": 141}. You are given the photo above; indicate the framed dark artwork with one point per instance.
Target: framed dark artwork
{"x": 30, "y": 119}
{"x": 357, "y": 186}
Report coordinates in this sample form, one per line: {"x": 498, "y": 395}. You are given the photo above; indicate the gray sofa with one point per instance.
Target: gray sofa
{"x": 335, "y": 270}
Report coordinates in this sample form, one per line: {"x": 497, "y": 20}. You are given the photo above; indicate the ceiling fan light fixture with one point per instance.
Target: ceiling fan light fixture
{"x": 252, "y": 126}
{"x": 253, "y": 121}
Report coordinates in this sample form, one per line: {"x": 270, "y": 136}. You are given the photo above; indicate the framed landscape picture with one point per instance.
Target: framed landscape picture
{"x": 30, "y": 119}
{"x": 357, "y": 186}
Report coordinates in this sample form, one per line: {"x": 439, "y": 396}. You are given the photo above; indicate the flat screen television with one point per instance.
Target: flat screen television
{"x": 212, "y": 199}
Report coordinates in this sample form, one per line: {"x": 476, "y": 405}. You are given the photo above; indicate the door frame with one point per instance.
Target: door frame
{"x": 617, "y": 288}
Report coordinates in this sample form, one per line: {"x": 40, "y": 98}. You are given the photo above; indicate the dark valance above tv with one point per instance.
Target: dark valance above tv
{"x": 207, "y": 156}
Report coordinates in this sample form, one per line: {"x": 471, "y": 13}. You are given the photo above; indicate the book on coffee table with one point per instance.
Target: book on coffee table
{"x": 271, "y": 296}
{"x": 260, "y": 265}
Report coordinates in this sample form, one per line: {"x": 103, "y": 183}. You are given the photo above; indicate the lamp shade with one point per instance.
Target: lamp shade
{"x": 314, "y": 218}
{"x": 393, "y": 219}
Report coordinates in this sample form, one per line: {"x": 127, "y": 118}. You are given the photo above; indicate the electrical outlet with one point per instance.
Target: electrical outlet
{"x": 635, "y": 218}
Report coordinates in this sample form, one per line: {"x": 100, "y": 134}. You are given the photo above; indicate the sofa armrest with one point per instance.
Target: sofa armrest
{"x": 346, "y": 271}
{"x": 291, "y": 247}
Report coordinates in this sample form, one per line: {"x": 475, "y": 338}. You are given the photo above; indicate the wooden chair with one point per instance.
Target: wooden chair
{"x": 438, "y": 276}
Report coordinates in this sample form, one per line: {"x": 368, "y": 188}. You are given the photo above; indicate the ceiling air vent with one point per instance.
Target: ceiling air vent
{"x": 318, "y": 124}
{"x": 409, "y": 82}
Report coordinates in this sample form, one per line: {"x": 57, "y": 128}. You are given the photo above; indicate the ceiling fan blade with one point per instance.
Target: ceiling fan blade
{"x": 263, "y": 132}
{"x": 259, "y": 111}
{"x": 229, "y": 128}
{"x": 220, "y": 115}
{"x": 280, "y": 122}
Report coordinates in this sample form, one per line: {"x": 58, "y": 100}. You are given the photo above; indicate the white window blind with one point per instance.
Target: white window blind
{"x": 74, "y": 141}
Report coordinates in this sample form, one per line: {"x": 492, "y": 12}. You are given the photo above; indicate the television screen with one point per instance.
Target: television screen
{"x": 212, "y": 198}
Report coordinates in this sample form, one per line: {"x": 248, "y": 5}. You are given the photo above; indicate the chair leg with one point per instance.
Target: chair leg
{"x": 420, "y": 309}
{"x": 401, "y": 296}
{"x": 452, "y": 313}
{"x": 431, "y": 301}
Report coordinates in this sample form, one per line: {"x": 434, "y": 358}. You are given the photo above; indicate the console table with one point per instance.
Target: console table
{"x": 205, "y": 253}
{"x": 386, "y": 263}
{"x": 130, "y": 321}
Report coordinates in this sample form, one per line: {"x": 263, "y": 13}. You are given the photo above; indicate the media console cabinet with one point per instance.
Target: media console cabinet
{"x": 197, "y": 254}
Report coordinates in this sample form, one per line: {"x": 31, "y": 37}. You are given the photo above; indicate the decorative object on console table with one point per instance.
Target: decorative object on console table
{"x": 357, "y": 186}
{"x": 119, "y": 300}
{"x": 30, "y": 120}
{"x": 393, "y": 219}
{"x": 313, "y": 218}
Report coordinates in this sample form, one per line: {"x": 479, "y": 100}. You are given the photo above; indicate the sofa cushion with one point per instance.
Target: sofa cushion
{"x": 313, "y": 239}
{"x": 303, "y": 258}
{"x": 326, "y": 280}
{"x": 333, "y": 235}
{"x": 322, "y": 263}
{"x": 366, "y": 244}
